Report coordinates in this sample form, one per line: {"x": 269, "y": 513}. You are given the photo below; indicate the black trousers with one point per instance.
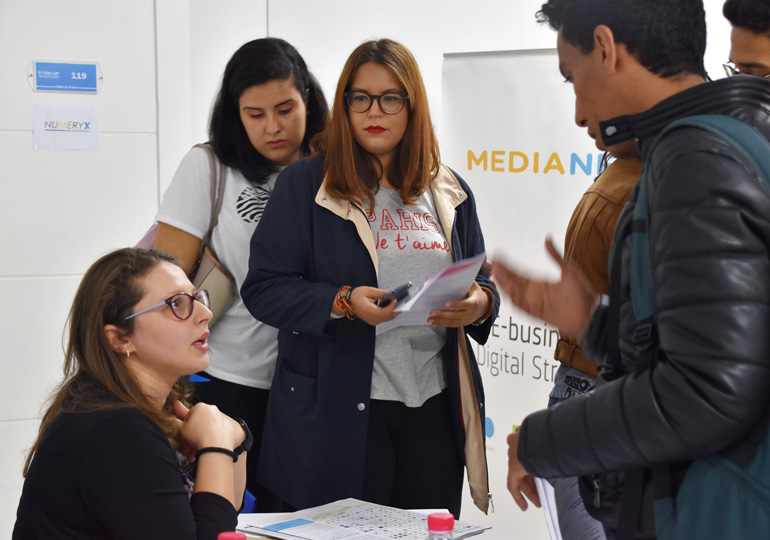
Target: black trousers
{"x": 412, "y": 459}
{"x": 236, "y": 400}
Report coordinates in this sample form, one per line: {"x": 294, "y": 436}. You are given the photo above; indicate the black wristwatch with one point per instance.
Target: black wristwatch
{"x": 245, "y": 446}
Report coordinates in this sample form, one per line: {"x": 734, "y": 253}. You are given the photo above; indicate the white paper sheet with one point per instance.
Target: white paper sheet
{"x": 449, "y": 284}
{"x": 548, "y": 504}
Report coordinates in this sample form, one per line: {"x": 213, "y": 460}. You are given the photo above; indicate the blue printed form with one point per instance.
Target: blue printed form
{"x": 287, "y": 524}
{"x": 65, "y": 77}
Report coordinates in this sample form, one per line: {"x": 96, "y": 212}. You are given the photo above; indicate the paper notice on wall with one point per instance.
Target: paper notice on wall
{"x": 67, "y": 127}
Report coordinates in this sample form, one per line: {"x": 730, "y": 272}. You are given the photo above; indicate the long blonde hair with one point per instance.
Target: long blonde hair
{"x": 95, "y": 376}
{"x": 353, "y": 174}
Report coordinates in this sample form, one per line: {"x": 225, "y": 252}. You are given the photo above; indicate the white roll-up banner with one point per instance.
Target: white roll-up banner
{"x": 507, "y": 128}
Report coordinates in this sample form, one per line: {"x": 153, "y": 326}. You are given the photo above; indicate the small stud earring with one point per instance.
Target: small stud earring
{"x": 128, "y": 353}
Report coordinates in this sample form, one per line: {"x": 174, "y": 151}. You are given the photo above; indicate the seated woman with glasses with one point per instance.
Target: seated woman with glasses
{"x": 393, "y": 417}
{"x": 113, "y": 450}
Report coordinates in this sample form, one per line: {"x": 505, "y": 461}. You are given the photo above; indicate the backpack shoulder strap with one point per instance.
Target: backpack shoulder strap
{"x": 756, "y": 149}
{"x": 741, "y": 136}
{"x": 744, "y": 138}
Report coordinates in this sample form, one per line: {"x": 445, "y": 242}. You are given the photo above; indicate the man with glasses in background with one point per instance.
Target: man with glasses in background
{"x": 750, "y": 37}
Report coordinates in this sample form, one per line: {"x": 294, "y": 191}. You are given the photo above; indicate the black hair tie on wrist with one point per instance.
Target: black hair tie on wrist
{"x": 245, "y": 446}
{"x": 217, "y": 449}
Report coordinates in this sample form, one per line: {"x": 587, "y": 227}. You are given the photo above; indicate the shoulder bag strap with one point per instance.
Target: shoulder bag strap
{"x": 217, "y": 194}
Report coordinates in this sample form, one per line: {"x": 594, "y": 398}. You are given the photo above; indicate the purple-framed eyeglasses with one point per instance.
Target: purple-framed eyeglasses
{"x": 181, "y": 304}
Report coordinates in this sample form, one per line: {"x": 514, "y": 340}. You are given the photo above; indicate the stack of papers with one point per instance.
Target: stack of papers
{"x": 348, "y": 519}
{"x": 450, "y": 284}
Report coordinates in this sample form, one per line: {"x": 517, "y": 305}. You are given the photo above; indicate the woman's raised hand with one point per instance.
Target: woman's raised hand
{"x": 205, "y": 425}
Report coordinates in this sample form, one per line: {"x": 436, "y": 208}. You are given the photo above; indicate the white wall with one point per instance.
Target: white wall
{"x": 162, "y": 61}
{"x": 61, "y": 210}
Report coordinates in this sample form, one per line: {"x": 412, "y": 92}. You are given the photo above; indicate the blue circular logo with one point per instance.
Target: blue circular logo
{"x": 490, "y": 427}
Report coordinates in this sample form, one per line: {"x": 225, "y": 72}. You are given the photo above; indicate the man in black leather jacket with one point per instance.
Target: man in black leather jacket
{"x": 636, "y": 66}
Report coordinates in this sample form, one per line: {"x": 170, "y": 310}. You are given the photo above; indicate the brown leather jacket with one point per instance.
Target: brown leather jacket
{"x": 588, "y": 240}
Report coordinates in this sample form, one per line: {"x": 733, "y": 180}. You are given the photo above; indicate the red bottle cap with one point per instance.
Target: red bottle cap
{"x": 231, "y": 536}
{"x": 441, "y": 522}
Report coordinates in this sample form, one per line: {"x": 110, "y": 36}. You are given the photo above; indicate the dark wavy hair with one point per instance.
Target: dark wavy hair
{"x": 259, "y": 62}
{"x": 753, "y": 15}
{"x": 668, "y": 37}
{"x": 95, "y": 376}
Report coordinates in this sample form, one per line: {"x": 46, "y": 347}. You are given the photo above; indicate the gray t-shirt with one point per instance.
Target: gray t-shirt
{"x": 242, "y": 349}
{"x": 411, "y": 246}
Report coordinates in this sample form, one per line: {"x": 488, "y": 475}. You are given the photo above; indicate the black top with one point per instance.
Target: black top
{"x": 113, "y": 475}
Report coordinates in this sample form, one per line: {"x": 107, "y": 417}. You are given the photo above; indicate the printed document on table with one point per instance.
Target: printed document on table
{"x": 347, "y": 519}
{"x": 449, "y": 284}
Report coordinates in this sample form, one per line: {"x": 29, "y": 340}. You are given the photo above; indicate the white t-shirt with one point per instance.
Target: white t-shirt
{"x": 242, "y": 349}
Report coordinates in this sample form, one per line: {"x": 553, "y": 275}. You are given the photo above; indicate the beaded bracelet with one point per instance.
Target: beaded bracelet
{"x": 342, "y": 301}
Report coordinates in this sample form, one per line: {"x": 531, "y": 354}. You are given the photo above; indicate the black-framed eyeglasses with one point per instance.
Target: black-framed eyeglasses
{"x": 389, "y": 102}
{"x": 181, "y": 304}
{"x": 733, "y": 71}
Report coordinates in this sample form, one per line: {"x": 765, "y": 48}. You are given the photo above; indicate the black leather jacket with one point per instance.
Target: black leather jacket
{"x": 710, "y": 238}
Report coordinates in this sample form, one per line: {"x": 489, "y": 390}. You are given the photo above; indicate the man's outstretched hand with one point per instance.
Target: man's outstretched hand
{"x": 565, "y": 304}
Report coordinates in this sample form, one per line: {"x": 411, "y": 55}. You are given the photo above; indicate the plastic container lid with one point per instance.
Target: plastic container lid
{"x": 231, "y": 536}
{"x": 441, "y": 522}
